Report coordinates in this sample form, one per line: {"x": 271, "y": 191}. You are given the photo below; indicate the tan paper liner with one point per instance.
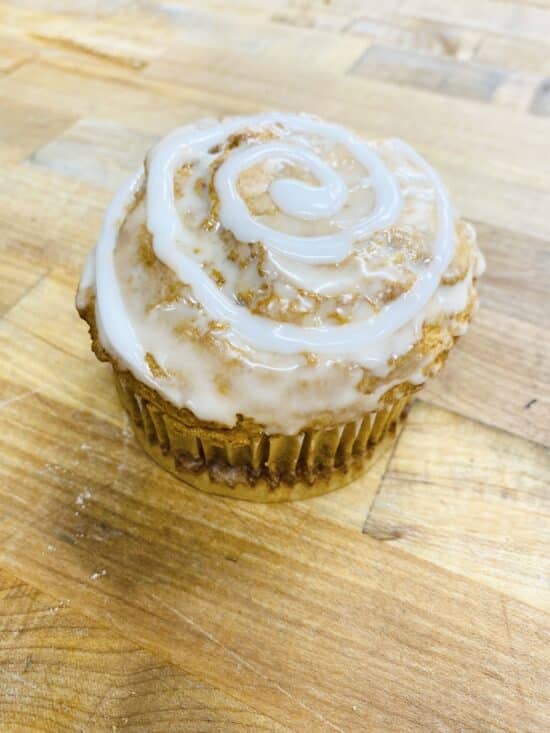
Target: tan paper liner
{"x": 255, "y": 466}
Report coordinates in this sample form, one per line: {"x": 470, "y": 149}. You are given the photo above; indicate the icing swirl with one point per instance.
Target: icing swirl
{"x": 285, "y": 235}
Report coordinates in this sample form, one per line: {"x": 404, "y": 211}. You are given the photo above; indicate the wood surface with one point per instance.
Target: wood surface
{"x": 418, "y": 598}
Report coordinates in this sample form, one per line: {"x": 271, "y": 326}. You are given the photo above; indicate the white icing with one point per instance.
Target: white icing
{"x": 321, "y": 202}
{"x": 318, "y": 263}
{"x": 165, "y": 226}
{"x": 295, "y": 198}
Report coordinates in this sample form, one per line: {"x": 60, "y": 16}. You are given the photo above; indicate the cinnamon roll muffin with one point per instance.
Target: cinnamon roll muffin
{"x": 271, "y": 292}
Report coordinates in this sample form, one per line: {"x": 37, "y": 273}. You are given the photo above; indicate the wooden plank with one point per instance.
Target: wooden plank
{"x": 52, "y": 218}
{"x": 82, "y": 8}
{"x": 155, "y": 108}
{"x": 62, "y": 671}
{"x": 133, "y": 39}
{"x": 300, "y": 16}
{"x": 99, "y": 152}
{"x": 218, "y": 33}
{"x": 127, "y": 36}
{"x": 471, "y": 499}
{"x": 429, "y": 37}
{"x": 514, "y": 53}
{"x": 19, "y": 274}
{"x": 518, "y": 90}
{"x": 359, "y": 635}
{"x": 509, "y": 18}
{"x": 481, "y": 194}
{"x": 497, "y": 378}
{"x": 116, "y": 42}
{"x": 245, "y": 9}
{"x": 24, "y": 126}
{"x": 453, "y": 60}
{"x": 516, "y": 264}
{"x": 501, "y": 366}
{"x": 83, "y": 383}
{"x": 426, "y": 71}
{"x": 61, "y": 326}
{"x": 522, "y": 20}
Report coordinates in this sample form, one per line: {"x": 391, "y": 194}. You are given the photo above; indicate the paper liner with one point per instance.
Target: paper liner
{"x": 254, "y": 465}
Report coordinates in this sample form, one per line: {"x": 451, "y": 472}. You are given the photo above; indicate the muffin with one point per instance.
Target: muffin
{"x": 271, "y": 292}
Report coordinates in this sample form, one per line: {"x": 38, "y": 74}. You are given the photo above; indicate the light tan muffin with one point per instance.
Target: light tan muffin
{"x": 271, "y": 292}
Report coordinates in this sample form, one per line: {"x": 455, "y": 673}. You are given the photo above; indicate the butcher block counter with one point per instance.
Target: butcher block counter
{"x": 417, "y": 598}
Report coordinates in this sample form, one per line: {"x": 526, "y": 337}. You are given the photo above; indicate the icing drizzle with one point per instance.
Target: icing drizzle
{"x": 369, "y": 342}
{"x": 186, "y": 144}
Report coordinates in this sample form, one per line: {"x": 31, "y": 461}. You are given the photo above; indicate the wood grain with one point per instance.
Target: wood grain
{"x": 200, "y": 579}
{"x": 61, "y": 671}
{"x": 478, "y": 505}
{"x": 427, "y": 71}
{"x": 416, "y": 599}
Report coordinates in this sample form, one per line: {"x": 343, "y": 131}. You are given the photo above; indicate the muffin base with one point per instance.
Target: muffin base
{"x": 255, "y": 466}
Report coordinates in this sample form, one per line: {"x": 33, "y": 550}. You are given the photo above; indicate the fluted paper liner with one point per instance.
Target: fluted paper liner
{"x": 255, "y": 466}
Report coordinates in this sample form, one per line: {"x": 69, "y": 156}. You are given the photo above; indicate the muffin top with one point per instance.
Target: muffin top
{"x": 281, "y": 270}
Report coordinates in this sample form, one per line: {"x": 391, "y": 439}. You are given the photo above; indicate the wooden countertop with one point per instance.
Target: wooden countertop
{"x": 418, "y": 598}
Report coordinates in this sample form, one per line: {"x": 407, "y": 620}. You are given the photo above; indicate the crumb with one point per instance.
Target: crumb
{"x": 179, "y": 177}
{"x": 218, "y": 326}
{"x": 154, "y": 367}
{"x": 311, "y": 358}
{"x": 218, "y": 278}
{"x": 146, "y": 252}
